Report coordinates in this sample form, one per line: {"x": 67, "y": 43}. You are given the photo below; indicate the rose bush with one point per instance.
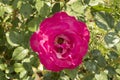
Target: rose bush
{"x": 61, "y": 42}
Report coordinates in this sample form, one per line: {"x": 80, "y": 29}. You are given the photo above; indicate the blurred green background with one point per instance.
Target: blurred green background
{"x": 20, "y": 18}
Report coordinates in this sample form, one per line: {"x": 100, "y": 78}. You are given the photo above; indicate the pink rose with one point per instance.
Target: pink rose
{"x": 61, "y": 42}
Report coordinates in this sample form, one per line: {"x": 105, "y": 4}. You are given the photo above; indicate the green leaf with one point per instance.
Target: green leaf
{"x": 91, "y": 66}
{"x": 17, "y": 4}
{"x": 1, "y": 73}
{"x": 117, "y": 27}
{"x": 111, "y": 70}
{"x": 23, "y": 73}
{"x": 19, "y": 53}
{"x": 42, "y": 8}
{"x": 2, "y": 10}
{"x": 106, "y": 21}
{"x": 72, "y": 73}
{"x": 33, "y": 25}
{"x": 56, "y": 8}
{"x": 28, "y": 68}
{"x": 89, "y": 77}
{"x": 45, "y": 10}
{"x": 111, "y": 39}
{"x": 9, "y": 69}
{"x": 13, "y": 38}
{"x": 64, "y": 78}
{"x": 86, "y": 1}
{"x": 39, "y": 4}
{"x": 118, "y": 47}
{"x": 26, "y": 10}
{"x": 100, "y": 7}
{"x": 75, "y": 9}
{"x": 34, "y": 61}
{"x": 108, "y": 18}
{"x": 95, "y": 52}
{"x": 113, "y": 55}
{"x": 118, "y": 71}
{"x": 101, "y": 25}
{"x": 18, "y": 67}
{"x": 101, "y": 61}
{"x": 3, "y": 66}
{"x": 101, "y": 76}
{"x": 95, "y": 2}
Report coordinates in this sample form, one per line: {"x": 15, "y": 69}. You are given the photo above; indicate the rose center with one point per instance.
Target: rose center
{"x": 62, "y": 46}
{"x": 60, "y": 40}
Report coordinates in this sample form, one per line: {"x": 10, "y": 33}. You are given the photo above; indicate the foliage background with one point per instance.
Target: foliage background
{"x": 20, "y": 18}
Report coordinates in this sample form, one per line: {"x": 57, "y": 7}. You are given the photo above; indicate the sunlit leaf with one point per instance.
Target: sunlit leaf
{"x": 19, "y": 53}
{"x": 118, "y": 47}
{"x": 34, "y": 24}
{"x": 2, "y": 10}
{"x": 111, "y": 39}
{"x": 100, "y": 7}
{"x": 101, "y": 76}
{"x": 42, "y": 8}
{"x": 18, "y": 67}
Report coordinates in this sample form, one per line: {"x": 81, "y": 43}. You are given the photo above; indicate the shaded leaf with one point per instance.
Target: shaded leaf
{"x": 104, "y": 20}
{"x": 91, "y": 66}
{"x": 89, "y": 77}
{"x": 86, "y": 1}
{"x": 9, "y": 69}
{"x": 72, "y": 73}
{"x": 108, "y": 18}
{"x": 101, "y": 61}
{"x": 28, "y": 68}
{"x": 101, "y": 25}
{"x": 113, "y": 55}
{"x": 111, "y": 70}
{"x": 1, "y": 73}
{"x": 56, "y": 8}
{"x": 26, "y": 10}
{"x": 95, "y": 53}
{"x": 117, "y": 27}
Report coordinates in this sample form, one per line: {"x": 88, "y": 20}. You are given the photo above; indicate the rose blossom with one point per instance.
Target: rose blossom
{"x": 61, "y": 42}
